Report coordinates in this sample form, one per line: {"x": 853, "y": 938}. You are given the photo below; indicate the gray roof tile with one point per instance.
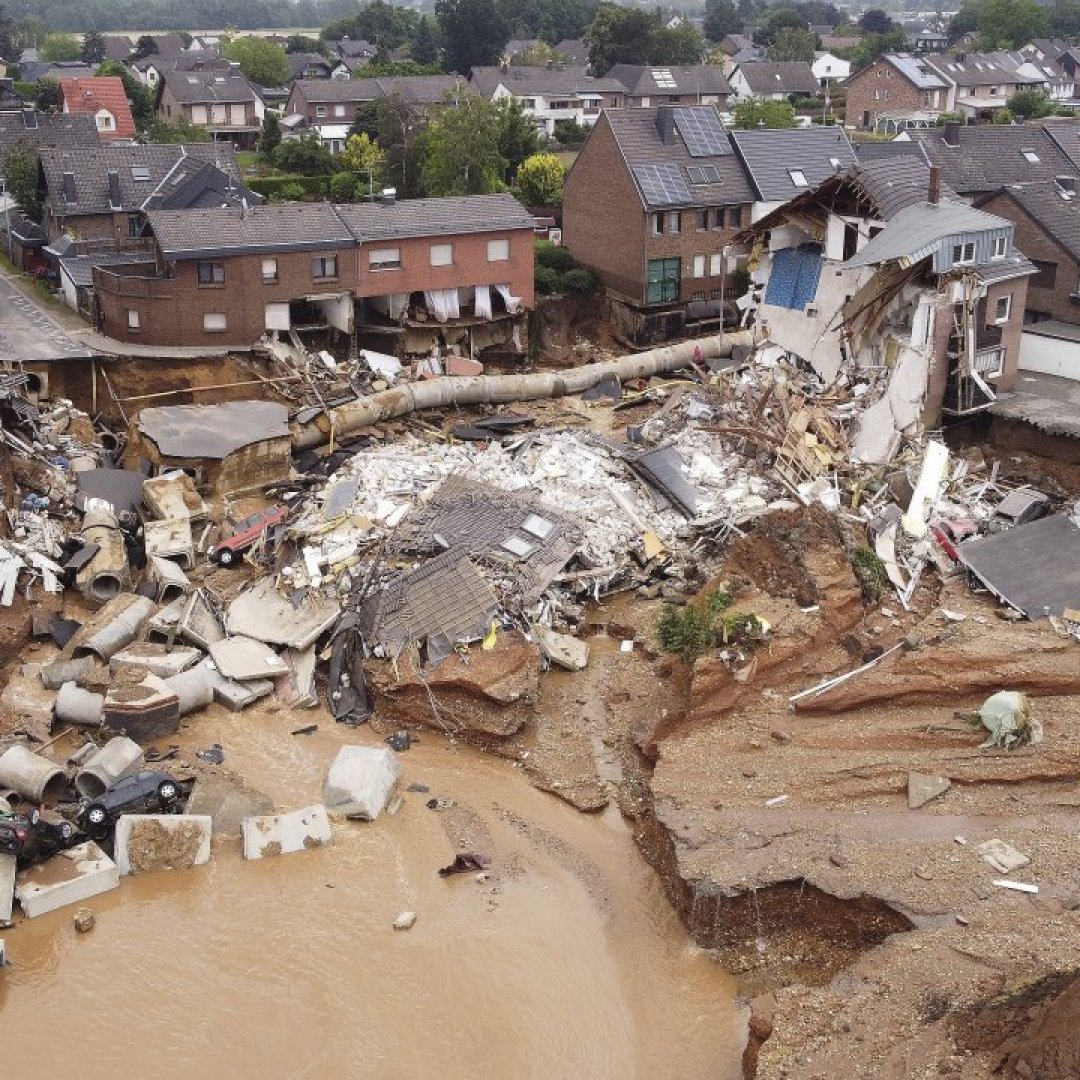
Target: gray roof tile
{"x": 640, "y": 79}
{"x": 787, "y": 77}
{"x": 47, "y": 130}
{"x": 416, "y": 88}
{"x": 1057, "y": 216}
{"x": 435, "y": 217}
{"x": 772, "y": 154}
{"x": 521, "y": 80}
{"x": 197, "y": 87}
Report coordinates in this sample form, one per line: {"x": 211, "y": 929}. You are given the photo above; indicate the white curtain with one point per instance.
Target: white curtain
{"x": 512, "y": 302}
{"x": 483, "y": 302}
{"x": 442, "y": 303}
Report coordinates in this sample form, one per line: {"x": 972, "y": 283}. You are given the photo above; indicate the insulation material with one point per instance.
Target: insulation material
{"x": 442, "y": 303}
{"x": 483, "y": 302}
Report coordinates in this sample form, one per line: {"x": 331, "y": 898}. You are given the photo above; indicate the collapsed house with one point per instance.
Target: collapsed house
{"x": 882, "y": 280}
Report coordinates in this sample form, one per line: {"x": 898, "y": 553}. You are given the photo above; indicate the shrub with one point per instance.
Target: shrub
{"x": 571, "y": 134}
{"x": 291, "y": 192}
{"x": 553, "y": 257}
{"x": 272, "y": 187}
{"x": 342, "y": 187}
{"x": 547, "y": 280}
{"x": 685, "y": 631}
{"x": 579, "y": 279}
{"x": 870, "y": 571}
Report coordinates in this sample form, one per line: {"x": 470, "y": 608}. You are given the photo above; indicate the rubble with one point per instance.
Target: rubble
{"x": 72, "y": 876}
{"x": 281, "y": 834}
{"x": 145, "y": 843}
{"x": 360, "y": 781}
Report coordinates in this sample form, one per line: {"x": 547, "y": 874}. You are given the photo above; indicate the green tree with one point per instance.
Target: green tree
{"x": 517, "y": 134}
{"x": 28, "y": 33}
{"x": 876, "y": 21}
{"x": 757, "y": 112}
{"x": 261, "y": 61}
{"x": 383, "y": 24}
{"x": 144, "y": 47}
{"x": 46, "y": 94}
{"x": 721, "y": 18}
{"x": 305, "y": 155}
{"x": 363, "y": 157}
{"x": 1030, "y": 104}
{"x": 474, "y": 32}
{"x": 540, "y": 180}
{"x": 269, "y": 134}
{"x": 180, "y": 130}
{"x": 1063, "y": 19}
{"x": 21, "y": 166}
{"x": 93, "y": 47}
{"x": 366, "y": 120}
{"x": 425, "y": 46}
{"x": 8, "y": 50}
{"x": 301, "y": 43}
{"x": 1008, "y": 24}
{"x": 793, "y": 44}
{"x": 402, "y": 133}
{"x": 539, "y": 55}
{"x": 871, "y": 46}
{"x": 461, "y": 155}
{"x": 570, "y": 134}
{"x": 141, "y": 98}
{"x": 60, "y": 46}
{"x": 618, "y": 35}
{"x": 681, "y": 44}
{"x": 776, "y": 20}
{"x": 965, "y": 21}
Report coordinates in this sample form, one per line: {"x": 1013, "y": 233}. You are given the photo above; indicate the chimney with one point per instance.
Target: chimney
{"x": 933, "y": 193}
{"x": 952, "y": 132}
{"x": 389, "y": 196}
{"x": 665, "y": 124}
{"x": 116, "y": 200}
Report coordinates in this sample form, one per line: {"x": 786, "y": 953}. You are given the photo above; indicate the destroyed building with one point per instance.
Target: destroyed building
{"x": 883, "y": 280}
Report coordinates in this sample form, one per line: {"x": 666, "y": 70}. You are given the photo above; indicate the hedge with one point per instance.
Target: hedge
{"x": 271, "y": 186}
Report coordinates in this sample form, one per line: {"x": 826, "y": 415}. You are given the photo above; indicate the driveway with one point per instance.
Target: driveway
{"x": 29, "y": 332}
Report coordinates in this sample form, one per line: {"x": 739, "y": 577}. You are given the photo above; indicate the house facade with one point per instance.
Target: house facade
{"x": 102, "y": 97}
{"x": 828, "y": 68}
{"x": 895, "y": 92}
{"x": 689, "y": 84}
{"x": 772, "y": 81}
{"x": 651, "y": 204}
{"x": 548, "y": 95}
{"x": 222, "y": 102}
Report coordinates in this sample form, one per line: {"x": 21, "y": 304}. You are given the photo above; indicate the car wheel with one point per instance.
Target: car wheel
{"x": 167, "y": 791}
{"x": 226, "y": 557}
{"x": 66, "y": 831}
{"x": 96, "y": 818}
{"x": 34, "y": 816}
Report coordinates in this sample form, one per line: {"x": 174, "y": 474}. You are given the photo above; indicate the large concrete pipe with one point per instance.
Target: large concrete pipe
{"x": 35, "y": 778}
{"x": 107, "y": 574}
{"x": 130, "y": 614}
{"x": 118, "y": 758}
{"x": 503, "y": 389}
{"x": 54, "y": 675}
{"x": 193, "y": 688}
{"x": 74, "y": 705}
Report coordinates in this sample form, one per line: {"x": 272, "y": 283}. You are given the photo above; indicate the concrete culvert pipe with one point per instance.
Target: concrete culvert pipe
{"x": 35, "y": 778}
{"x": 193, "y": 688}
{"x": 107, "y": 574}
{"x": 127, "y": 623}
{"x": 74, "y": 705}
{"x": 118, "y": 758}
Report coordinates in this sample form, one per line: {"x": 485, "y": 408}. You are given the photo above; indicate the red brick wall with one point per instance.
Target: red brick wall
{"x": 1010, "y": 331}
{"x": 862, "y": 87}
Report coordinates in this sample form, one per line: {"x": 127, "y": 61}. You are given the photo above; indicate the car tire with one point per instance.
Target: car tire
{"x": 226, "y": 557}
{"x": 66, "y": 831}
{"x": 168, "y": 791}
{"x": 97, "y": 820}
{"x": 34, "y": 816}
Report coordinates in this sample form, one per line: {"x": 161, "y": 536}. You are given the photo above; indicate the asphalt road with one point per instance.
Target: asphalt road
{"x": 29, "y": 332}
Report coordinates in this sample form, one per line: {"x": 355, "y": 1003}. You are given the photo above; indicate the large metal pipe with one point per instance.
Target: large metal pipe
{"x": 503, "y": 389}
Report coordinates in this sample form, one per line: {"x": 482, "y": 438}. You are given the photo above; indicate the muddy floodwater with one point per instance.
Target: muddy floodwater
{"x": 566, "y": 962}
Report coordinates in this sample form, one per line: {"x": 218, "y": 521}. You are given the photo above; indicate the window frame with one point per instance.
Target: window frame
{"x": 449, "y": 248}
{"x": 319, "y": 267}
{"x": 214, "y": 280}
{"x": 223, "y": 328}
{"x": 382, "y": 265}
{"x": 673, "y": 223}
{"x": 1001, "y": 247}
{"x": 798, "y": 178}
{"x": 963, "y": 260}
{"x": 991, "y": 373}
{"x": 269, "y": 279}
{"x": 499, "y": 240}
{"x": 999, "y": 319}
{"x": 134, "y": 320}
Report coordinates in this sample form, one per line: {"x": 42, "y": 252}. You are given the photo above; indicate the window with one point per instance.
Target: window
{"x": 703, "y": 174}
{"x": 210, "y": 273}
{"x": 384, "y": 259}
{"x": 105, "y": 122}
{"x": 734, "y": 217}
{"x": 798, "y": 177}
{"x": 674, "y": 222}
{"x": 269, "y": 270}
{"x": 1030, "y": 157}
{"x": 560, "y": 104}
{"x": 339, "y": 110}
{"x": 990, "y": 362}
{"x": 716, "y": 265}
{"x": 718, "y": 218}
{"x": 885, "y": 95}
{"x": 963, "y": 253}
{"x": 701, "y": 220}
{"x": 528, "y": 102}
{"x": 324, "y": 266}
{"x": 214, "y": 322}
{"x": 132, "y": 319}
{"x": 134, "y": 225}
{"x": 662, "y": 281}
{"x": 1003, "y": 308}
{"x": 320, "y": 110}
{"x": 498, "y": 250}
{"x": 654, "y": 223}
{"x": 1001, "y": 244}
{"x": 699, "y": 266}
{"x": 442, "y": 254}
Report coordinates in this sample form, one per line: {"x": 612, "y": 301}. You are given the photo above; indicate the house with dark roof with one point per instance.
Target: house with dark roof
{"x": 446, "y": 274}
{"x": 882, "y": 274}
{"x": 103, "y": 97}
{"x": 307, "y": 65}
{"x": 118, "y": 48}
{"x": 650, "y": 204}
{"x": 104, "y": 193}
{"x": 648, "y": 86}
{"x": 774, "y": 81}
{"x": 573, "y": 51}
{"x": 547, "y": 95}
{"x": 55, "y": 70}
{"x": 782, "y": 163}
{"x": 149, "y": 69}
{"x": 222, "y": 102}
{"x": 896, "y": 92}
{"x": 982, "y": 85}
{"x": 10, "y": 98}
{"x": 1043, "y": 74}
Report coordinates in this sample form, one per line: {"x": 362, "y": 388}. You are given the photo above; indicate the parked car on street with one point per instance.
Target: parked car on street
{"x": 146, "y": 792}
{"x": 246, "y": 532}
{"x": 31, "y": 838}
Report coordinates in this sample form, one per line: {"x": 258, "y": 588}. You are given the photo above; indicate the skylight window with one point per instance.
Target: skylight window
{"x": 1030, "y": 157}
{"x": 703, "y": 174}
{"x": 140, "y": 173}
{"x": 798, "y": 178}
{"x": 663, "y": 78}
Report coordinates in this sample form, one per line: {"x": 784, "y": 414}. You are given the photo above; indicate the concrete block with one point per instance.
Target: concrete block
{"x": 53, "y": 676}
{"x": 68, "y": 878}
{"x": 360, "y": 780}
{"x": 921, "y": 788}
{"x": 156, "y": 657}
{"x": 243, "y": 659}
{"x": 148, "y": 842}
{"x": 7, "y": 887}
{"x": 560, "y": 649}
{"x": 118, "y": 758}
{"x": 279, "y": 834}
{"x": 234, "y": 695}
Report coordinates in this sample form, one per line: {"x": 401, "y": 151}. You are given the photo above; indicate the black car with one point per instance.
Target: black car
{"x": 147, "y": 792}
{"x": 30, "y": 838}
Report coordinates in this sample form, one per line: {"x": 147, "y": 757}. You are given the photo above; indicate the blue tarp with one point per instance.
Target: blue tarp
{"x": 794, "y": 278}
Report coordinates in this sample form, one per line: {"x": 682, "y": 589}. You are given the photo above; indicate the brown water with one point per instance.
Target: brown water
{"x": 567, "y": 962}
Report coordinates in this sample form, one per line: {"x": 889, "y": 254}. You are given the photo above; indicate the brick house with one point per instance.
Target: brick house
{"x": 895, "y": 92}
{"x": 774, "y": 81}
{"x": 650, "y": 204}
{"x": 983, "y": 84}
{"x": 674, "y": 84}
{"x": 102, "y": 97}
{"x": 416, "y": 274}
{"x": 222, "y": 102}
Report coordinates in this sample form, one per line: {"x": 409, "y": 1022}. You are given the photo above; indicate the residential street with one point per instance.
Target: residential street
{"x": 28, "y": 331}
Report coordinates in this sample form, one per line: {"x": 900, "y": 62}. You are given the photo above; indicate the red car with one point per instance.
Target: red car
{"x": 246, "y": 532}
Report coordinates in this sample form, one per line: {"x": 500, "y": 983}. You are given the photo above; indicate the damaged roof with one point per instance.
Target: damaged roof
{"x": 783, "y": 163}
{"x": 213, "y": 431}
{"x": 896, "y": 183}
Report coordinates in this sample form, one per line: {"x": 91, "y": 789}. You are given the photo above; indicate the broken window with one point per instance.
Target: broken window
{"x": 210, "y": 273}
{"x": 990, "y": 362}
{"x": 662, "y": 282}
{"x": 324, "y": 266}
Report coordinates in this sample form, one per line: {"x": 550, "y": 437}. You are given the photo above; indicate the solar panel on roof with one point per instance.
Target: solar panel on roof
{"x": 662, "y": 185}
{"x": 702, "y": 132}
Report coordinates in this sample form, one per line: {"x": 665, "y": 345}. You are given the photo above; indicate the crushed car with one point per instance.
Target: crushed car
{"x": 246, "y": 533}
{"x": 32, "y": 838}
{"x": 148, "y": 792}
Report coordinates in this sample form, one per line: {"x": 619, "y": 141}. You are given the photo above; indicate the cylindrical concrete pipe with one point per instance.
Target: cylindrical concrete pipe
{"x": 53, "y": 676}
{"x": 74, "y": 705}
{"x": 120, "y": 631}
{"x": 107, "y": 574}
{"x": 193, "y": 688}
{"x": 504, "y": 389}
{"x": 118, "y": 758}
{"x": 34, "y": 777}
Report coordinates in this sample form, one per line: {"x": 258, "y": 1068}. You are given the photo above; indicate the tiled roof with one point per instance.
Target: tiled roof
{"x": 55, "y": 70}
{"x": 917, "y": 71}
{"x": 300, "y": 62}
{"x": 80, "y": 268}
{"x": 1057, "y": 216}
{"x": 90, "y": 169}
{"x": 788, "y": 77}
{"x": 197, "y": 87}
{"x": 47, "y": 130}
{"x": 771, "y": 155}
{"x": 415, "y": 88}
{"x": 1066, "y": 136}
{"x": 100, "y": 92}
{"x": 574, "y": 49}
{"x": 638, "y": 138}
{"x": 192, "y": 60}
{"x": 118, "y": 47}
{"x": 435, "y": 217}
{"x": 896, "y": 183}
{"x": 990, "y": 155}
{"x": 976, "y": 69}
{"x": 520, "y": 80}
{"x": 644, "y": 80}
{"x": 354, "y": 48}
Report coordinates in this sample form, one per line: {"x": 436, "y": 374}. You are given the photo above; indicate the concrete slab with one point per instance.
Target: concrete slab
{"x": 156, "y": 658}
{"x": 236, "y": 695}
{"x": 7, "y": 887}
{"x": 68, "y": 878}
{"x": 360, "y": 781}
{"x": 265, "y": 614}
{"x": 560, "y": 649}
{"x": 1001, "y": 856}
{"x": 243, "y": 659}
{"x": 227, "y": 803}
{"x": 280, "y": 834}
{"x": 921, "y": 788}
{"x": 148, "y": 842}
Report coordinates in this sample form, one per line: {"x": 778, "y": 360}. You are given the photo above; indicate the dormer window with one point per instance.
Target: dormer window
{"x": 1001, "y": 246}
{"x": 963, "y": 254}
